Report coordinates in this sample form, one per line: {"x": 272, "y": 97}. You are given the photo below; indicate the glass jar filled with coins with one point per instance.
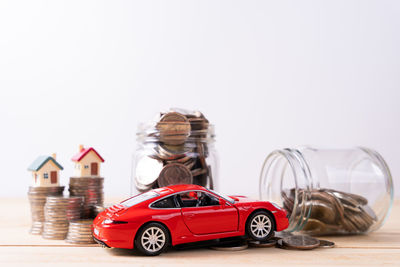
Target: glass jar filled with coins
{"x": 329, "y": 191}
{"x": 177, "y": 147}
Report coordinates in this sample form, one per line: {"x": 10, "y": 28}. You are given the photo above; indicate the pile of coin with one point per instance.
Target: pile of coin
{"x": 37, "y": 198}
{"x": 80, "y": 232}
{"x": 58, "y": 210}
{"x": 284, "y": 240}
{"x": 332, "y": 211}
{"x": 91, "y": 189}
{"x": 177, "y": 151}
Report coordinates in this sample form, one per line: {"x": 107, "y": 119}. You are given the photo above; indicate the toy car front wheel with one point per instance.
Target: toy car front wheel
{"x": 152, "y": 239}
{"x": 260, "y": 226}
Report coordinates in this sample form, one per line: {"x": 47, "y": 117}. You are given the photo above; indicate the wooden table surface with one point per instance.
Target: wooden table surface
{"x": 18, "y": 248}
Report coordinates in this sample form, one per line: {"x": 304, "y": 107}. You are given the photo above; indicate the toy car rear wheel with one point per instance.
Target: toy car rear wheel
{"x": 260, "y": 226}
{"x": 152, "y": 239}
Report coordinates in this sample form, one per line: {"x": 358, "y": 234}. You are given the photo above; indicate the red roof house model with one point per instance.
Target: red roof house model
{"x": 87, "y": 162}
{"x": 83, "y": 152}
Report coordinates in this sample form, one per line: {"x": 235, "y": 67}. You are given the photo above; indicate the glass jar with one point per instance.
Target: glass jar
{"x": 174, "y": 148}
{"x": 329, "y": 191}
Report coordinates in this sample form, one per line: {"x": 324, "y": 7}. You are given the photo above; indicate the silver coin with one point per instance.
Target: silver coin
{"x": 147, "y": 170}
{"x": 262, "y": 244}
{"x": 303, "y": 242}
{"x": 279, "y": 244}
{"x": 326, "y": 244}
{"x": 282, "y": 234}
{"x": 234, "y": 246}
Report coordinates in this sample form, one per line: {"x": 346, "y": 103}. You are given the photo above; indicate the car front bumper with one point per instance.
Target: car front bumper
{"x": 101, "y": 242}
{"x": 281, "y": 219}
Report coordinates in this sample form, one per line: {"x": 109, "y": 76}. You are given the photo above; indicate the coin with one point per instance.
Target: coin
{"x": 326, "y": 244}
{"x": 323, "y": 211}
{"x": 231, "y": 246}
{"x": 332, "y": 211}
{"x": 91, "y": 190}
{"x": 177, "y": 136}
{"x": 282, "y": 234}
{"x": 262, "y": 244}
{"x": 303, "y": 242}
{"x": 174, "y": 128}
{"x": 174, "y": 153}
{"x": 147, "y": 170}
{"x": 58, "y": 210}
{"x": 175, "y": 173}
{"x": 37, "y": 198}
{"x": 80, "y": 232}
{"x": 280, "y": 244}
{"x": 198, "y": 171}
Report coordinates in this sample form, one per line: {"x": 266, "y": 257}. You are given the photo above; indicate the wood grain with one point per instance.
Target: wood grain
{"x": 18, "y": 248}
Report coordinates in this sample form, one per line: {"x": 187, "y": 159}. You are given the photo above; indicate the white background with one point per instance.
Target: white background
{"x": 268, "y": 74}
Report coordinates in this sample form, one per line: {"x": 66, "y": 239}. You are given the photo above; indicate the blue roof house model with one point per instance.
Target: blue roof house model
{"x": 45, "y": 171}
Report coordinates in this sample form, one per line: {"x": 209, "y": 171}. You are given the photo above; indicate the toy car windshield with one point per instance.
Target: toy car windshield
{"x": 231, "y": 200}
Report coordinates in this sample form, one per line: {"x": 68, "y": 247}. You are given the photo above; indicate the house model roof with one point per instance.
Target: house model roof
{"x": 84, "y": 152}
{"x": 40, "y": 161}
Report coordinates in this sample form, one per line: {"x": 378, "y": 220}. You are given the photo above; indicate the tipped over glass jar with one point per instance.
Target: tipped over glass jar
{"x": 329, "y": 191}
{"x": 176, "y": 147}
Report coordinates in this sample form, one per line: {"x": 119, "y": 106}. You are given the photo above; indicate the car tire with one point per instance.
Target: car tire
{"x": 152, "y": 239}
{"x": 260, "y": 226}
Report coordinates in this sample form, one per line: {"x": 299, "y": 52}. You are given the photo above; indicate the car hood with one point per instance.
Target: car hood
{"x": 243, "y": 199}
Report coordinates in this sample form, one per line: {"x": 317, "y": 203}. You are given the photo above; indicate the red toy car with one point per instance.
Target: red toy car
{"x": 182, "y": 214}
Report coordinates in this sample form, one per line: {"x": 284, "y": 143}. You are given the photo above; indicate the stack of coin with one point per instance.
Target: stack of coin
{"x": 58, "y": 211}
{"x": 80, "y": 232}
{"x": 331, "y": 211}
{"x": 91, "y": 189}
{"x": 178, "y": 152}
{"x": 63, "y": 208}
{"x": 37, "y": 198}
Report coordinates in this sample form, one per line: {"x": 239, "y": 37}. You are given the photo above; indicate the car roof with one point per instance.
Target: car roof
{"x": 178, "y": 188}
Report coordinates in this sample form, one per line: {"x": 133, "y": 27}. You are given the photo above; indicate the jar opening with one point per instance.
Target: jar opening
{"x": 287, "y": 167}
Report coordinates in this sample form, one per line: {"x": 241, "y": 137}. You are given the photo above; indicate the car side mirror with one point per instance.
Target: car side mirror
{"x": 222, "y": 202}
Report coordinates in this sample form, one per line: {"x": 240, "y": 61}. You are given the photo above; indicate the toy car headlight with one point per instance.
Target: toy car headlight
{"x": 109, "y": 221}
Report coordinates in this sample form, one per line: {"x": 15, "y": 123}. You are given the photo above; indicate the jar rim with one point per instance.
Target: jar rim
{"x": 296, "y": 161}
{"x": 147, "y": 132}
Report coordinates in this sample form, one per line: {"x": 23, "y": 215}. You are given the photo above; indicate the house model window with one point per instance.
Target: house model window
{"x": 86, "y": 166}
{"x": 45, "y": 175}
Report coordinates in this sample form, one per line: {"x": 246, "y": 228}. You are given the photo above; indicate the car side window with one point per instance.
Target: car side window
{"x": 187, "y": 199}
{"x": 208, "y": 200}
{"x": 166, "y": 203}
{"x": 196, "y": 199}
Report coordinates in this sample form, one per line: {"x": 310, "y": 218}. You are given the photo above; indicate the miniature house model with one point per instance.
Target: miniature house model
{"x": 45, "y": 171}
{"x": 87, "y": 162}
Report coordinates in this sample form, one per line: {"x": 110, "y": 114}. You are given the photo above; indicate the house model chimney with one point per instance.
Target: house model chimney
{"x": 53, "y": 156}
{"x": 80, "y": 148}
